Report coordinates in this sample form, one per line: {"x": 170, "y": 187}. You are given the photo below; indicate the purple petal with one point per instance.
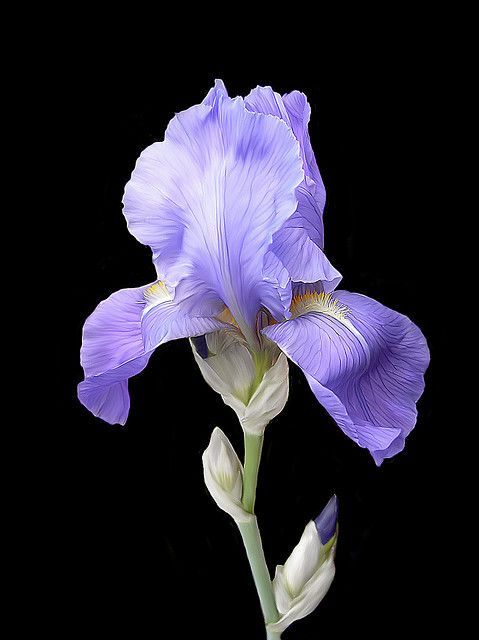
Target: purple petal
{"x": 112, "y": 333}
{"x": 112, "y": 351}
{"x": 265, "y": 100}
{"x": 294, "y": 109}
{"x": 210, "y": 197}
{"x": 327, "y": 520}
{"x": 306, "y": 217}
{"x": 303, "y": 260}
{"x": 366, "y": 370}
{"x": 192, "y": 313}
{"x": 275, "y": 272}
{"x": 118, "y": 342}
{"x": 299, "y": 243}
{"x": 215, "y": 92}
{"x": 299, "y": 112}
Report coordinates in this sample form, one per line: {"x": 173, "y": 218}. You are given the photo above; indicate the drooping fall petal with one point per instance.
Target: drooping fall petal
{"x": 118, "y": 341}
{"x": 365, "y": 364}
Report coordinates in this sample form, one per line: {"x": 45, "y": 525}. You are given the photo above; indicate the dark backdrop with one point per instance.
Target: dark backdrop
{"x": 138, "y": 546}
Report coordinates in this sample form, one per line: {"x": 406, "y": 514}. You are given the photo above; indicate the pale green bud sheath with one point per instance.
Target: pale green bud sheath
{"x": 254, "y": 383}
{"x": 304, "y": 579}
{"x": 223, "y": 475}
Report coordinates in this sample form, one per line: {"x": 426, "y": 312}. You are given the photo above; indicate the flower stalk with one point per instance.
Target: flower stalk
{"x": 250, "y": 534}
{"x": 253, "y": 446}
{"x": 254, "y": 550}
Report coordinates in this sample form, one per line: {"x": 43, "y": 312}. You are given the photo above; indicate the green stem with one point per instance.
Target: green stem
{"x": 270, "y": 635}
{"x": 254, "y": 550}
{"x": 250, "y": 533}
{"x": 253, "y": 446}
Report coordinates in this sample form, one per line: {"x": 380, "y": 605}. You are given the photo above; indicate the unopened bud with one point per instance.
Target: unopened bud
{"x": 223, "y": 475}
{"x": 303, "y": 581}
{"x": 254, "y": 384}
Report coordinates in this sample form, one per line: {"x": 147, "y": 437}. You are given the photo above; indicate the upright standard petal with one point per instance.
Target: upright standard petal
{"x": 296, "y": 246}
{"x": 364, "y": 362}
{"x": 210, "y": 197}
{"x": 215, "y": 92}
{"x": 294, "y": 109}
{"x": 300, "y": 241}
{"x": 119, "y": 338}
{"x": 299, "y": 113}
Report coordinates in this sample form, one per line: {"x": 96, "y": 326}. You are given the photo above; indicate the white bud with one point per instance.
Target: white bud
{"x": 254, "y": 384}
{"x": 223, "y": 475}
{"x": 303, "y": 561}
{"x": 303, "y": 581}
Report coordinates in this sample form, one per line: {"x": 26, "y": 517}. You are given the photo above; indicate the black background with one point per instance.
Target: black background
{"x": 138, "y": 547}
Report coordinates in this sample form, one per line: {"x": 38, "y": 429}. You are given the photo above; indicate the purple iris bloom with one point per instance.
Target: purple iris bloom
{"x": 231, "y": 204}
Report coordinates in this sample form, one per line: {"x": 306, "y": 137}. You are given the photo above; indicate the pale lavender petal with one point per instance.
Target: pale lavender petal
{"x": 275, "y": 272}
{"x": 210, "y": 197}
{"x": 192, "y": 313}
{"x": 118, "y": 342}
{"x": 299, "y": 112}
{"x": 106, "y": 395}
{"x": 265, "y": 100}
{"x": 299, "y": 243}
{"x": 306, "y": 216}
{"x": 303, "y": 260}
{"x": 215, "y": 92}
{"x": 112, "y": 333}
{"x": 112, "y": 351}
{"x": 367, "y": 371}
{"x": 294, "y": 109}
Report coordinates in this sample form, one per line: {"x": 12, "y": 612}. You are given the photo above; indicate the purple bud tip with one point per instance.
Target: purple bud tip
{"x": 326, "y": 521}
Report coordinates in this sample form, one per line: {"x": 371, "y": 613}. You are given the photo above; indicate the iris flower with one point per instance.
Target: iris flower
{"x": 231, "y": 204}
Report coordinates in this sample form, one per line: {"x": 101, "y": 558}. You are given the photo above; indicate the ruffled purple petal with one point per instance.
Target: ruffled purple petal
{"x": 299, "y": 112}
{"x": 265, "y": 100}
{"x": 118, "y": 340}
{"x": 294, "y": 109}
{"x": 299, "y": 243}
{"x": 210, "y": 197}
{"x": 275, "y": 272}
{"x": 366, "y": 369}
{"x": 215, "y": 92}
{"x": 302, "y": 259}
